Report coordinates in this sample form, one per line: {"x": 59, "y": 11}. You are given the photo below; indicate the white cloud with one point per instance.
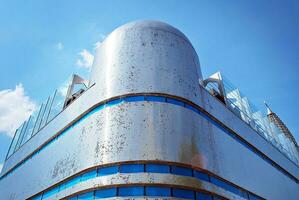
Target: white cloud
{"x": 59, "y": 46}
{"x": 15, "y": 108}
{"x": 85, "y": 60}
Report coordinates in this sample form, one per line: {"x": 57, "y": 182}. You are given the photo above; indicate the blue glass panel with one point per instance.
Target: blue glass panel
{"x": 114, "y": 102}
{"x": 72, "y": 182}
{"x": 50, "y": 192}
{"x": 154, "y": 98}
{"x": 201, "y": 175}
{"x": 104, "y": 193}
{"x": 181, "y": 171}
{"x": 131, "y": 191}
{"x": 131, "y": 168}
{"x": 253, "y": 197}
{"x": 107, "y": 170}
{"x": 39, "y": 197}
{"x": 174, "y": 101}
{"x": 73, "y": 198}
{"x": 89, "y": 175}
{"x": 192, "y": 108}
{"x": 156, "y": 168}
{"x": 226, "y": 186}
{"x": 86, "y": 196}
{"x": 181, "y": 193}
{"x": 134, "y": 98}
{"x": 202, "y": 196}
{"x": 157, "y": 191}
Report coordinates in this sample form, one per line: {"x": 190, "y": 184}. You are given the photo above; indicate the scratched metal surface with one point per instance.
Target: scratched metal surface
{"x": 144, "y": 57}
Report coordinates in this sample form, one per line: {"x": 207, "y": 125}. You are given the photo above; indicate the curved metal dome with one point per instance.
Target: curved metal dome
{"x": 145, "y": 57}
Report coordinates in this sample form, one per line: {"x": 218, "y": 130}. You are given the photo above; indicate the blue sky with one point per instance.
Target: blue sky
{"x": 254, "y": 43}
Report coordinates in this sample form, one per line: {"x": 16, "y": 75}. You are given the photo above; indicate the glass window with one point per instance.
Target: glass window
{"x": 134, "y": 98}
{"x": 73, "y": 198}
{"x": 154, "y": 98}
{"x": 131, "y": 191}
{"x": 104, "y": 193}
{"x": 253, "y": 197}
{"x": 107, "y": 170}
{"x": 89, "y": 175}
{"x": 181, "y": 193}
{"x": 156, "y": 168}
{"x": 39, "y": 197}
{"x": 131, "y": 168}
{"x": 226, "y": 186}
{"x": 157, "y": 191}
{"x": 181, "y": 171}
{"x": 50, "y": 192}
{"x": 203, "y": 196}
{"x": 72, "y": 182}
{"x": 86, "y": 196}
{"x": 114, "y": 102}
{"x": 174, "y": 101}
{"x": 201, "y": 175}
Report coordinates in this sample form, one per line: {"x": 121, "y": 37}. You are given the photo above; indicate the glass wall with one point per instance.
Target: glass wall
{"x": 47, "y": 111}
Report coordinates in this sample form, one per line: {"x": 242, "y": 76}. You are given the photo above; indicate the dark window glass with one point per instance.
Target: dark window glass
{"x": 86, "y": 196}
{"x": 156, "y": 168}
{"x": 107, "y": 170}
{"x": 131, "y": 168}
{"x": 253, "y": 197}
{"x": 104, "y": 193}
{"x": 157, "y": 191}
{"x": 181, "y": 193}
{"x": 181, "y": 171}
{"x": 89, "y": 175}
{"x": 176, "y": 102}
{"x": 201, "y": 175}
{"x": 39, "y": 197}
{"x": 131, "y": 191}
{"x": 202, "y": 196}
{"x": 226, "y": 186}
{"x": 73, "y": 198}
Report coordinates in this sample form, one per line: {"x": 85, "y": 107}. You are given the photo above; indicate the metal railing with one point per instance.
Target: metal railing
{"x": 245, "y": 110}
{"x": 47, "y": 111}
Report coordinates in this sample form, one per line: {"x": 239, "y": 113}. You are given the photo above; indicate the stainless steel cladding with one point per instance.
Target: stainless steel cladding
{"x": 147, "y": 56}
{"x": 147, "y": 129}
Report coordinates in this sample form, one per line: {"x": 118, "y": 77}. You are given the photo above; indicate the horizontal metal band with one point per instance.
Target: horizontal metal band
{"x": 153, "y": 97}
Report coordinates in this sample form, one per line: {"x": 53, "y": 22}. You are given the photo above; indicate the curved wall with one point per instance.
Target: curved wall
{"x": 146, "y": 56}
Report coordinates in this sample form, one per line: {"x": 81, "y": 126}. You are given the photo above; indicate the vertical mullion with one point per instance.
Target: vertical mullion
{"x": 41, "y": 121}
{"x": 54, "y": 96}
{"x": 7, "y": 155}
{"x": 17, "y": 144}
{"x": 36, "y": 120}
{"x": 25, "y": 130}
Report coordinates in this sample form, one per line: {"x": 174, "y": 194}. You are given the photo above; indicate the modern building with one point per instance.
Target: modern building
{"x": 147, "y": 126}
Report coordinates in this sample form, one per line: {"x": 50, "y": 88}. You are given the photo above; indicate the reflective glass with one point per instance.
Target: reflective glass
{"x": 131, "y": 168}
{"x": 157, "y": 191}
{"x": 103, "y": 171}
{"x": 104, "y": 193}
{"x": 201, "y": 175}
{"x": 226, "y": 186}
{"x": 181, "y": 193}
{"x": 131, "y": 191}
{"x": 50, "y": 192}
{"x": 156, "y": 168}
{"x": 181, "y": 171}
{"x": 203, "y": 196}
{"x": 86, "y": 196}
{"x": 89, "y": 175}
